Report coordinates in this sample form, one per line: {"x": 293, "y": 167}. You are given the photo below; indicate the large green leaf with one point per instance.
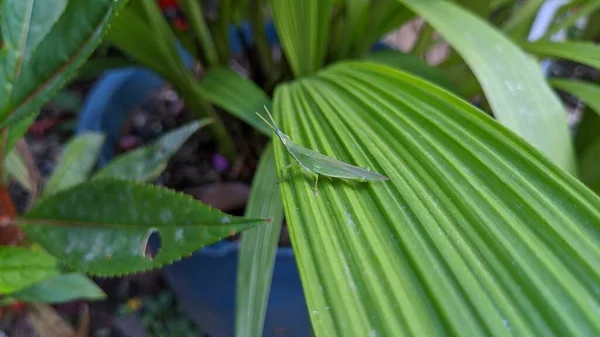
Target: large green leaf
{"x": 76, "y": 162}
{"x": 475, "y": 234}
{"x": 25, "y": 23}
{"x": 102, "y": 227}
{"x": 59, "y": 289}
{"x": 257, "y": 250}
{"x": 583, "y": 52}
{"x": 64, "y": 48}
{"x": 148, "y": 162}
{"x": 513, "y": 83}
{"x": 235, "y": 94}
{"x": 303, "y": 29}
{"x": 21, "y": 267}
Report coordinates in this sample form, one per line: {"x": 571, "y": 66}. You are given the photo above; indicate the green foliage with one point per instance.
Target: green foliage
{"x": 476, "y": 231}
{"x": 148, "y": 162}
{"x": 257, "y": 249}
{"x": 303, "y": 28}
{"x": 62, "y": 47}
{"x": 583, "y": 52}
{"x": 76, "y": 163}
{"x": 21, "y": 267}
{"x": 413, "y": 64}
{"x": 513, "y": 83}
{"x": 59, "y": 289}
{"x": 102, "y": 227}
{"x": 236, "y": 94}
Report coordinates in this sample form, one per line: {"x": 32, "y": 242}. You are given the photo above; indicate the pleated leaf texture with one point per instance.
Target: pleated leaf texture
{"x": 475, "y": 234}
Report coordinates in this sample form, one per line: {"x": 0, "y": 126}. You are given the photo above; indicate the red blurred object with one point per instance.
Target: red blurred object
{"x": 128, "y": 143}
{"x": 40, "y": 127}
{"x": 174, "y": 14}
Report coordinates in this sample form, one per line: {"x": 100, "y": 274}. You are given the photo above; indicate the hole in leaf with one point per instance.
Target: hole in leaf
{"x": 153, "y": 245}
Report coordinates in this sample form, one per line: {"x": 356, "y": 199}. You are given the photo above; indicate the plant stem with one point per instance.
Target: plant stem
{"x": 194, "y": 13}
{"x": 424, "y": 41}
{"x": 222, "y": 31}
{"x": 260, "y": 38}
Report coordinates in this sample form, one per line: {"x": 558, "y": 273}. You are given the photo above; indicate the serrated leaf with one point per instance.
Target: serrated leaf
{"x": 59, "y": 289}
{"x": 76, "y": 162}
{"x": 582, "y": 52}
{"x": 236, "y": 94}
{"x": 21, "y": 267}
{"x": 68, "y": 44}
{"x": 303, "y": 29}
{"x": 476, "y": 233}
{"x": 25, "y": 23}
{"x": 102, "y": 227}
{"x": 148, "y": 162}
{"x": 258, "y": 247}
{"x": 513, "y": 83}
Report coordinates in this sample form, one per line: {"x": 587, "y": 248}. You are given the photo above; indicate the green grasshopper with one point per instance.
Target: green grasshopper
{"x": 320, "y": 164}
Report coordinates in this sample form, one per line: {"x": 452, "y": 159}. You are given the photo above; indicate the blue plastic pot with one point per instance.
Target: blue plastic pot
{"x": 204, "y": 283}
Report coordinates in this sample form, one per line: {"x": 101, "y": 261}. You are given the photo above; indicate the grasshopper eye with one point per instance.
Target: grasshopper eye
{"x": 283, "y": 141}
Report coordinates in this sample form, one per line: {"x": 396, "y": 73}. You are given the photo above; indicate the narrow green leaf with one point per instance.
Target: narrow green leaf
{"x": 519, "y": 24}
{"x": 21, "y": 267}
{"x": 59, "y": 289}
{"x": 25, "y": 23}
{"x": 303, "y": 28}
{"x": 235, "y": 94}
{"x": 76, "y": 162}
{"x": 582, "y": 52}
{"x": 479, "y": 7}
{"x": 62, "y": 51}
{"x": 148, "y": 162}
{"x": 587, "y": 130}
{"x": 589, "y": 165}
{"x": 257, "y": 250}
{"x": 412, "y": 64}
{"x": 476, "y": 233}
{"x": 587, "y": 92}
{"x": 15, "y": 167}
{"x": 130, "y": 33}
{"x": 102, "y": 227}
{"x": 386, "y": 15}
{"x": 513, "y": 83}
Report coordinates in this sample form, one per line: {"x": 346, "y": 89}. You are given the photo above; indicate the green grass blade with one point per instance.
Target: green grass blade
{"x": 582, "y": 52}
{"x": 476, "y": 233}
{"x": 77, "y": 161}
{"x": 235, "y": 94}
{"x": 587, "y": 92}
{"x": 303, "y": 28}
{"x": 513, "y": 83}
{"x": 257, "y": 250}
